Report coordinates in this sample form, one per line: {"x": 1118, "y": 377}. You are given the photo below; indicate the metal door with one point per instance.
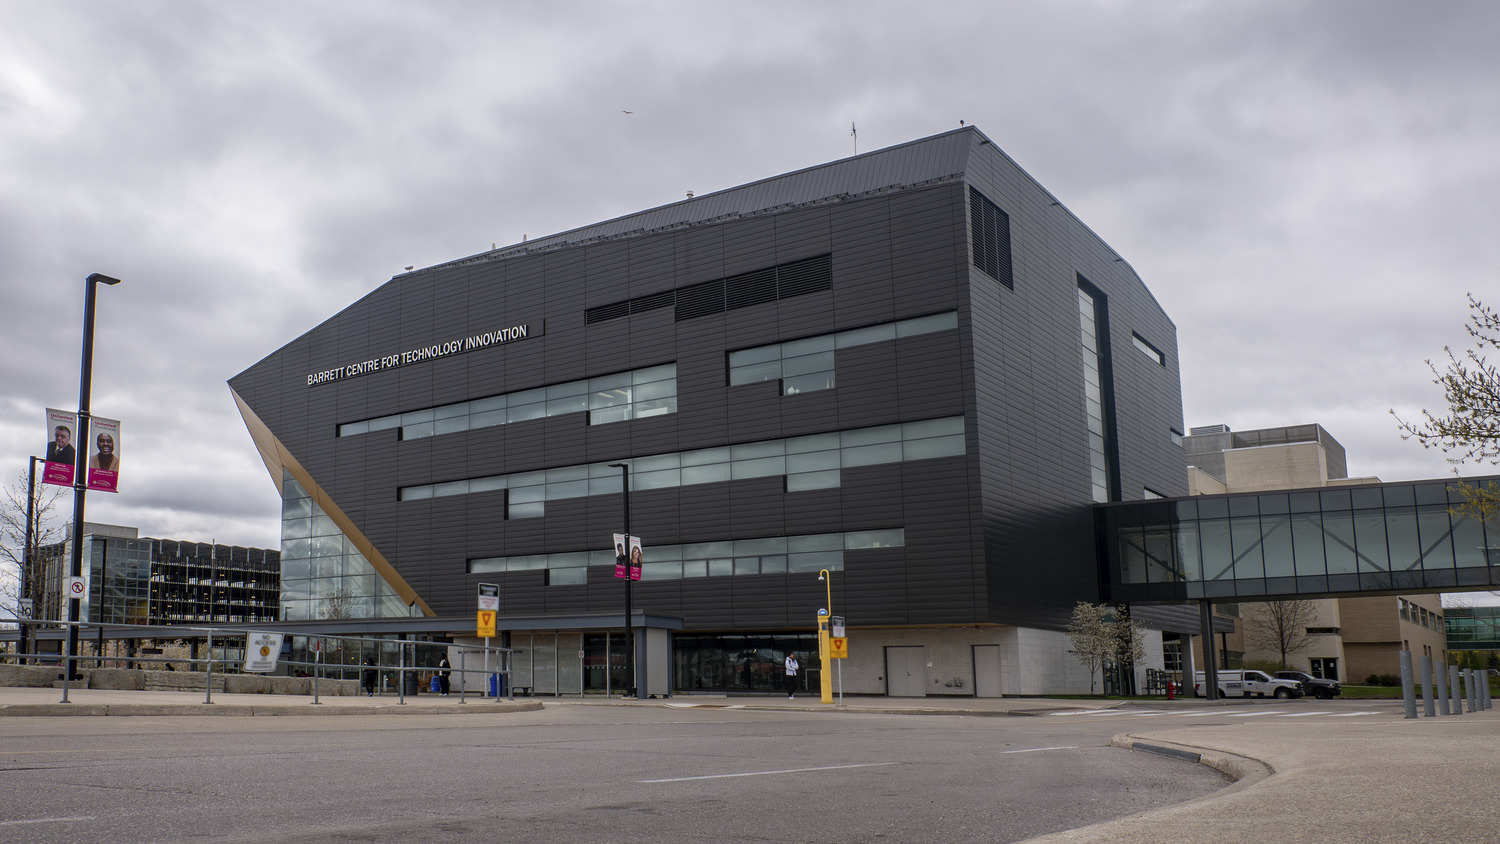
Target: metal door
{"x": 987, "y": 671}
{"x": 906, "y": 671}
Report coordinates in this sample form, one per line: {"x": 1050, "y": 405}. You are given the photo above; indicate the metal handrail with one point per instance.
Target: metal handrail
{"x": 319, "y": 666}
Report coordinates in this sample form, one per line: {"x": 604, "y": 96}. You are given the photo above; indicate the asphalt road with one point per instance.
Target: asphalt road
{"x": 576, "y": 773}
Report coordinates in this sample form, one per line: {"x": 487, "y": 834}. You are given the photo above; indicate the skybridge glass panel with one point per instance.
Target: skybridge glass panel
{"x": 1374, "y": 539}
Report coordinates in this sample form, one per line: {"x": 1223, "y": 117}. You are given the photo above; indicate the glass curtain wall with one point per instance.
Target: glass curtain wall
{"x": 322, "y": 574}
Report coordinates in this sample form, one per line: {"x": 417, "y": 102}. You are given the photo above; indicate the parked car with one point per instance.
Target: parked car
{"x": 1236, "y": 683}
{"x": 1320, "y": 689}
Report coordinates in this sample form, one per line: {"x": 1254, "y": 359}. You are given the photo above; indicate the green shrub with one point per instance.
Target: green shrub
{"x": 1383, "y": 680}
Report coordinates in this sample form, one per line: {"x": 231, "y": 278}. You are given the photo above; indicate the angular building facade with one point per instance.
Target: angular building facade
{"x": 914, "y": 369}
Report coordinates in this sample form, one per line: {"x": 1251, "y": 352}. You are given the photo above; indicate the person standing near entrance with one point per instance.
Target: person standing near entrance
{"x": 443, "y": 668}
{"x": 791, "y": 675}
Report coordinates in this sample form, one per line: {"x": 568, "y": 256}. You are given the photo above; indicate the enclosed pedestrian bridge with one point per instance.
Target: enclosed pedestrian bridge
{"x": 1367, "y": 539}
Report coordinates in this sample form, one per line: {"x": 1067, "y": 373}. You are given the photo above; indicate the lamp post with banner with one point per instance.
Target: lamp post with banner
{"x": 628, "y": 566}
{"x": 80, "y": 485}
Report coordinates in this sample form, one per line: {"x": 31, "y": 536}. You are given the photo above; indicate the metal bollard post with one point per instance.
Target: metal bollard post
{"x": 67, "y": 675}
{"x": 1469, "y": 687}
{"x": 463, "y": 676}
{"x": 208, "y": 679}
{"x": 1442, "y": 693}
{"x": 1408, "y": 693}
{"x": 1458, "y": 701}
{"x": 1429, "y": 706}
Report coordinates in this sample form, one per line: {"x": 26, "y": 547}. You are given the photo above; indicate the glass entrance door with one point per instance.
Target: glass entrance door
{"x": 604, "y": 663}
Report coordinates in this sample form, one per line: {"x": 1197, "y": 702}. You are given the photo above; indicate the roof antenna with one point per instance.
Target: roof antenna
{"x": 854, "y": 133}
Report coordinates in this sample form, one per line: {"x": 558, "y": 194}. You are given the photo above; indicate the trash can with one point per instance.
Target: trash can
{"x": 410, "y": 684}
{"x": 497, "y": 685}
{"x": 436, "y": 685}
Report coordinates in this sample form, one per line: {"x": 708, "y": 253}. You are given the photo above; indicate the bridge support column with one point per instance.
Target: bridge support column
{"x": 1210, "y": 661}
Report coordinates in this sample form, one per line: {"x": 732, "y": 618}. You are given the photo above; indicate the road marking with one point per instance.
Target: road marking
{"x": 49, "y": 820}
{"x": 1040, "y": 749}
{"x": 1352, "y": 714}
{"x": 1247, "y": 714}
{"x": 768, "y": 773}
{"x": 1080, "y": 712}
{"x": 1304, "y": 714}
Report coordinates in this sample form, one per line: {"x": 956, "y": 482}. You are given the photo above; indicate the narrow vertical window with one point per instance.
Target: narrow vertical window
{"x": 1098, "y": 392}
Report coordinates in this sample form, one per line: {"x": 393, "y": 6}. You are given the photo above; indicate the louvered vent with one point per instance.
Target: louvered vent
{"x": 664, "y": 299}
{"x": 700, "y": 299}
{"x": 604, "y": 312}
{"x": 746, "y": 289}
{"x": 989, "y": 230}
{"x": 794, "y": 278}
{"x": 809, "y": 275}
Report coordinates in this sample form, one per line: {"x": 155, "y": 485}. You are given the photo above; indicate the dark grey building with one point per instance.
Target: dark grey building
{"x": 913, "y": 368}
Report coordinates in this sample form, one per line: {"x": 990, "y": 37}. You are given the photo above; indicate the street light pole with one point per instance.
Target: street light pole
{"x": 26, "y": 555}
{"x": 80, "y": 464}
{"x": 630, "y": 685}
{"x": 825, "y": 649}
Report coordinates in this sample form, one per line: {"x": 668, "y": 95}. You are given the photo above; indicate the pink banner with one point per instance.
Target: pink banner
{"x": 61, "y": 454}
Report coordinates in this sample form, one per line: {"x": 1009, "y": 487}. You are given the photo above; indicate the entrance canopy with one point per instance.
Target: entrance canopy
{"x": 1367, "y": 539}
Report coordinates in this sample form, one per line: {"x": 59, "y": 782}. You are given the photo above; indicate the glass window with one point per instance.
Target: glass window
{"x": 528, "y": 510}
{"x": 812, "y": 461}
{"x": 813, "y": 480}
{"x": 875, "y": 539}
{"x": 712, "y": 473}
{"x": 792, "y": 385}
{"x": 752, "y": 373}
{"x": 807, "y": 346}
{"x": 568, "y": 577}
{"x": 863, "y": 336}
{"x": 927, "y": 324}
{"x": 871, "y": 455}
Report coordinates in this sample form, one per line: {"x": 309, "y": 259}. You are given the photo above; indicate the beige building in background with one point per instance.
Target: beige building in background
{"x": 1353, "y": 638}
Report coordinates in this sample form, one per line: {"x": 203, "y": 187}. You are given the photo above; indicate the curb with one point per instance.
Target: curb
{"x": 1244, "y": 770}
{"x": 118, "y": 710}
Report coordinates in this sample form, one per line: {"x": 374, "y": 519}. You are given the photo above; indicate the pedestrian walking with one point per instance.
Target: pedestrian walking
{"x": 367, "y": 677}
{"x": 791, "y": 675}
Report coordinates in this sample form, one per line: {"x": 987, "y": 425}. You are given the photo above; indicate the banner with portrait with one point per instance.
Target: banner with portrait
{"x": 62, "y": 455}
{"x": 104, "y": 454}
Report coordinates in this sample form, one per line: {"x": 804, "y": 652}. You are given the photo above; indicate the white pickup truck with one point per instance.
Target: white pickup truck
{"x": 1238, "y": 683}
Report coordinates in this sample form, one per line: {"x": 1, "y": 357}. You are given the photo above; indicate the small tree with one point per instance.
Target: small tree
{"x": 1279, "y": 626}
{"x": 1470, "y": 430}
{"x": 1092, "y": 636}
{"x": 1100, "y": 633}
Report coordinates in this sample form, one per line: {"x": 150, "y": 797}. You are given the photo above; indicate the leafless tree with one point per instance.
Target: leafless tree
{"x": 46, "y": 530}
{"x": 1279, "y": 626}
{"x": 338, "y": 603}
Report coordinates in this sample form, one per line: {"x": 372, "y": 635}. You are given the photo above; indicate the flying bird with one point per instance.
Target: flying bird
{"x": 623, "y": 111}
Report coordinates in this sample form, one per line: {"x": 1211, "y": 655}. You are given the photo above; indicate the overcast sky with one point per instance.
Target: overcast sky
{"x": 1309, "y": 188}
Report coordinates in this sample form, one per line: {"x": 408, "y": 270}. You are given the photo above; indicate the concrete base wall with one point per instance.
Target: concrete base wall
{"x": 136, "y": 679}
{"x": 1032, "y": 662}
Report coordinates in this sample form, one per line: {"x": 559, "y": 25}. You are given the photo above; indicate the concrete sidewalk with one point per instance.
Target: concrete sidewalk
{"x": 1374, "y": 778}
